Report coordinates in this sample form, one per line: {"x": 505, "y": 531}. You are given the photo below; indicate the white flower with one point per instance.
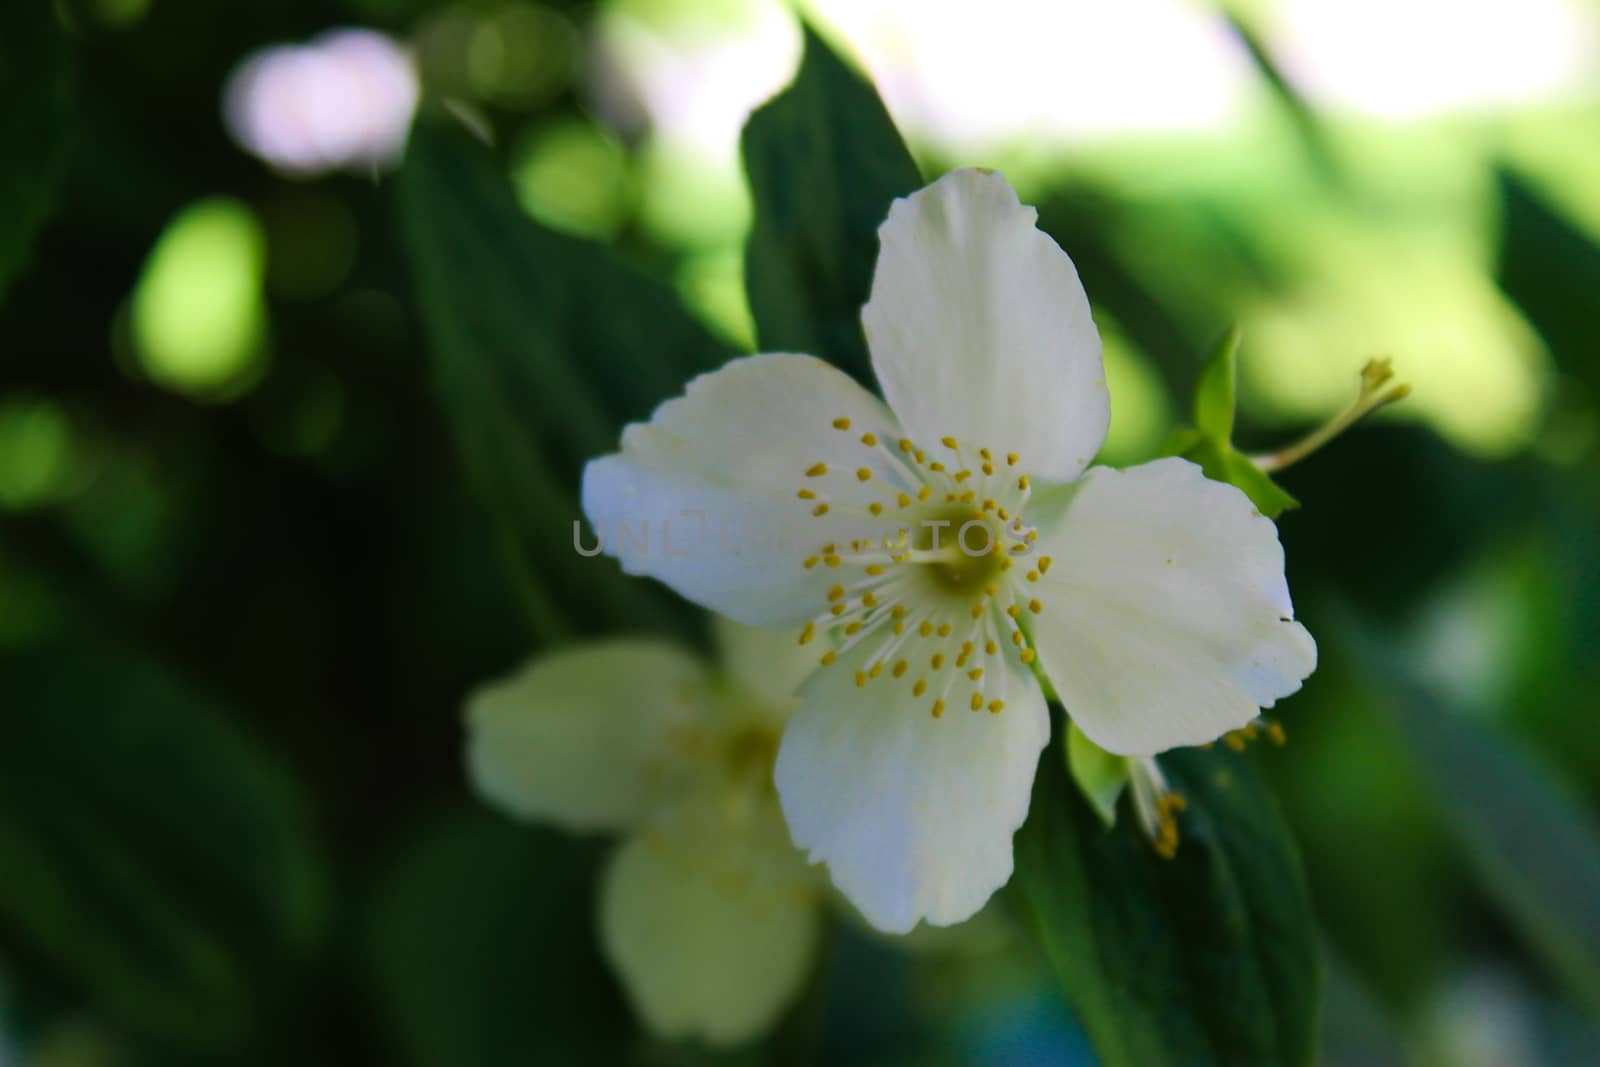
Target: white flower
{"x": 1152, "y": 598}
{"x": 707, "y": 912}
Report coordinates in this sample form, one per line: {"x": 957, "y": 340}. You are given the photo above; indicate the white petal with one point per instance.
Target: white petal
{"x": 711, "y": 938}
{"x": 580, "y": 738}
{"x": 980, "y": 329}
{"x": 913, "y": 815}
{"x": 1167, "y": 620}
{"x": 711, "y": 485}
{"x": 768, "y": 665}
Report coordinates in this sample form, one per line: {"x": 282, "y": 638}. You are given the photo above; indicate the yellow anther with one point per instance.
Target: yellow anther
{"x": 861, "y": 679}
{"x": 969, "y": 496}
{"x": 1022, "y": 483}
{"x": 961, "y": 660}
{"x": 1013, "y": 611}
{"x": 921, "y": 455}
{"x": 938, "y": 708}
{"x": 962, "y": 476}
{"x": 1032, "y": 535}
{"x": 925, "y": 628}
{"x": 905, "y": 445}
{"x": 812, "y": 562}
{"x": 977, "y": 610}
{"x": 991, "y": 589}
{"x": 1275, "y": 733}
{"x": 868, "y": 600}
{"x": 808, "y": 633}
{"x": 1002, "y": 513}
{"x": 989, "y": 505}
{"x": 864, "y": 474}
{"x": 806, "y": 494}
{"x": 899, "y": 628}
{"x": 903, "y": 500}
{"x": 876, "y": 508}
{"x": 1011, "y": 459}
{"x": 899, "y": 612}
{"x": 966, "y": 646}
{"x": 820, "y": 510}
{"x": 1027, "y": 655}
{"x": 977, "y": 702}
{"x": 925, "y": 492}
{"x": 1032, "y": 576}
{"x": 944, "y": 629}
{"x": 988, "y": 470}
{"x": 920, "y": 688}
{"x": 869, "y": 439}
{"x": 839, "y": 609}
{"x": 937, "y": 661}
{"x": 1234, "y": 741}
{"x": 1035, "y": 607}
{"x": 949, "y": 498}
{"x": 990, "y": 648}
{"x": 874, "y": 569}
{"x": 997, "y": 706}
{"x": 877, "y": 669}
{"x": 1044, "y": 564}
{"x": 841, "y": 424}
{"x": 985, "y": 453}
{"x": 832, "y": 561}
{"x": 936, "y": 466}
{"x": 948, "y": 442}
{"x": 835, "y": 593}
{"x": 1005, "y": 564}
{"x": 816, "y": 470}
{"x": 828, "y": 657}
{"x": 975, "y": 673}
{"x": 852, "y": 629}
{"x": 1016, "y": 638}
{"x": 899, "y": 668}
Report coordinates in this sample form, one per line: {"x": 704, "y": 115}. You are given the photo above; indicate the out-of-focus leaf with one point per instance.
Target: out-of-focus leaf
{"x": 151, "y": 857}
{"x": 1210, "y": 443}
{"x": 543, "y": 347}
{"x": 35, "y": 82}
{"x": 481, "y": 949}
{"x": 1532, "y": 848}
{"x": 1099, "y": 775}
{"x": 1209, "y": 958}
{"x": 1551, "y": 269}
{"x": 824, "y": 162}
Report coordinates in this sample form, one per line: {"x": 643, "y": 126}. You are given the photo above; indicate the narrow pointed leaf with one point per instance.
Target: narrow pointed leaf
{"x": 824, "y": 162}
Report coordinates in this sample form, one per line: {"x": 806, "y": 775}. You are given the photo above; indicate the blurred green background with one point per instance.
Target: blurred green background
{"x": 249, "y": 566}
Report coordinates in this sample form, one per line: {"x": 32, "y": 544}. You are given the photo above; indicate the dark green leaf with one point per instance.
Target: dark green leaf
{"x": 824, "y": 162}
{"x": 1532, "y": 848}
{"x": 35, "y": 82}
{"x": 150, "y": 856}
{"x": 482, "y": 950}
{"x": 543, "y": 347}
{"x": 1551, "y": 269}
{"x": 1209, "y": 958}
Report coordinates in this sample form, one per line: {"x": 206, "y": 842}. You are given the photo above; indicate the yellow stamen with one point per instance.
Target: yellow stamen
{"x": 816, "y": 470}
{"x": 864, "y": 474}
{"x": 841, "y": 424}
{"x": 808, "y": 633}
{"x": 869, "y": 439}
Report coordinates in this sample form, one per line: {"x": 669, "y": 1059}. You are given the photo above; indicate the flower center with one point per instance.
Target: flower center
{"x": 933, "y": 580}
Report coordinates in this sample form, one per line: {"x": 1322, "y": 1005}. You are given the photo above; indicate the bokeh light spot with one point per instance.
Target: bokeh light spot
{"x": 573, "y": 175}
{"x": 35, "y": 452}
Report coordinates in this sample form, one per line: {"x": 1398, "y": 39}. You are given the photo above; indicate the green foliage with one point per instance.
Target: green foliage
{"x": 35, "y": 82}
{"x": 1210, "y": 444}
{"x": 480, "y": 949}
{"x": 1537, "y": 855}
{"x": 1099, "y": 775}
{"x": 1208, "y": 958}
{"x": 155, "y": 859}
{"x": 1551, "y": 269}
{"x": 824, "y": 162}
{"x": 543, "y": 346}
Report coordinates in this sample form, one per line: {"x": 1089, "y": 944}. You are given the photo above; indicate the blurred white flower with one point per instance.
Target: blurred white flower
{"x": 707, "y": 912}
{"x": 342, "y": 102}
{"x": 952, "y": 538}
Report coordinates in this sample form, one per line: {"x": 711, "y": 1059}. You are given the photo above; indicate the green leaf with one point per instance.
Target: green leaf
{"x": 35, "y": 77}
{"x": 1214, "y": 394}
{"x": 1532, "y": 848}
{"x": 543, "y": 346}
{"x": 824, "y": 162}
{"x": 481, "y": 949}
{"x": 1099, "y": 775}
{"x": 1551, "y": 269}
{"x": 151, "y": 857}
{"x": 1208, "y": 958}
